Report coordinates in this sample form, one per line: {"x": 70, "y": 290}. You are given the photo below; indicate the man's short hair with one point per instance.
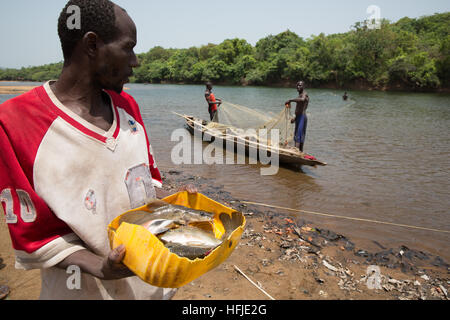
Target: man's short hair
{"x": 96, "y": 16}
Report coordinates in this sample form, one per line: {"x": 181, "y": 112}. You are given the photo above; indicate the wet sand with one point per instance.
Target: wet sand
{"x": 15, "y": 89}
{"x": 290, "y": 258}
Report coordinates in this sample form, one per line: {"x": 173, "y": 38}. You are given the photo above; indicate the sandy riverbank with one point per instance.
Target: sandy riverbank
{"x": 290, "y": 258}
{"x": 15, "y": 89}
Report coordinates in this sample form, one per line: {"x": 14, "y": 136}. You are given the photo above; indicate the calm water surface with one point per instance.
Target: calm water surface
{"x": 388, "y": 158}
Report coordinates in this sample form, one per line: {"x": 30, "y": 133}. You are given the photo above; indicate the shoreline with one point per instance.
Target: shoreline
{"x": 15, "y": 90}
{"x": 291, "y": 258}
{"x": 357, "y": 86}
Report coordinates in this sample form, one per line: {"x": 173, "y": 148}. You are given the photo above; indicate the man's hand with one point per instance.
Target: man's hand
{"x": 112, "y": 268}
{"x": 293, "y": 120}
{"x": 103, "y": 268}
{"x": 190, "y": 188}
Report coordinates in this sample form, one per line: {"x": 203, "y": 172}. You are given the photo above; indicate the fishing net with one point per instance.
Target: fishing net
{"x": 240, "y": 120}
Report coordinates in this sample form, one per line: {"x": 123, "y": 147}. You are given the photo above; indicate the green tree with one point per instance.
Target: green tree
{"x": 410, "y": 53}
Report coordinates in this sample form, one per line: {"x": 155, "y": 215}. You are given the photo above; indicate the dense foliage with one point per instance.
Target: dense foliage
{"x": 411, "y": 53}
{"x": 42, "y": 73}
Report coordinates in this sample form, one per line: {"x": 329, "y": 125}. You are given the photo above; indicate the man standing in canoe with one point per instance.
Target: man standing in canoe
{"x": 213, "y": 103}
{"x": 75, "y": 155}
{"x": 301, "y": 119}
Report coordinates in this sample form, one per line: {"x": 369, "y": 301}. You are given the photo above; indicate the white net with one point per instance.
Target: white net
{"x": 230, "y": 116}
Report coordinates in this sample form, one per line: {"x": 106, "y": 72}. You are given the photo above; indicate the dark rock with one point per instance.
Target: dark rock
{"x": 411, "y": 254}
{"x": 300, "y": 222}
{"x": 407, "y": 267}
{"x": 329, "y": 235}
{"x": 382, "y": 257}
{"x": 4, "y": 292}
{"x": 285, "y": 245}
{"x": 349, "y": 246}
{"x": 318, "y": 280}
{"x": 438, "y": 262}
{"x": 362, "y": 253}
{"x": 421, "y": 255}
{"x": 378, "y": 244}
{"x": 241, "y": 206}
{"x": 313, "y": 250}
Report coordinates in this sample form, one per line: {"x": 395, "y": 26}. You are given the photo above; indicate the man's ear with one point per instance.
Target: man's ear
{"x": 91, "y": 44}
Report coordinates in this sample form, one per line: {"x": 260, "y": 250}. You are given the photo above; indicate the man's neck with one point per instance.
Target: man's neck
{"x": 76, "y": 89}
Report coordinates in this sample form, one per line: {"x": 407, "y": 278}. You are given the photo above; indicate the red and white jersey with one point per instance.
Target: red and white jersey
{"x": 63, "y": 180}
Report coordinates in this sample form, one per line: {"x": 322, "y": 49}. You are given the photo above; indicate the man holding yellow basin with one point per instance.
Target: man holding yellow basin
{"x": 75, "y": 155}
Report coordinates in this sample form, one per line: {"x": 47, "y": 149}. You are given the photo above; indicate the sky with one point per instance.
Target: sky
{"x": 28, "y": 29}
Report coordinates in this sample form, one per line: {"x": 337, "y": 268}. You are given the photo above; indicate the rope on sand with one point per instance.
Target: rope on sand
{"x": 342, "y": 217}
{"x": 257, "y": 286}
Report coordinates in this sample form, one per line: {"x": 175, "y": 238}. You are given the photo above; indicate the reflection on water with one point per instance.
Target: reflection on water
{"x": 387, "y": 153}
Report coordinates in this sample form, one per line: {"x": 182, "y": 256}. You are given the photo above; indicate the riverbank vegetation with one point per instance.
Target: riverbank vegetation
{"x": 411, "y": 54}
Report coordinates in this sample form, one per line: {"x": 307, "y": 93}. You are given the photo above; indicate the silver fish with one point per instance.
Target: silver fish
{"x": 184, "y": 231}
{"x": 159, "y": 226}
{"x": 190, "y": 236}
{"x": 172, "y": 212}
{"x": 191, "y": 253}
{"x": 178, "y": 215}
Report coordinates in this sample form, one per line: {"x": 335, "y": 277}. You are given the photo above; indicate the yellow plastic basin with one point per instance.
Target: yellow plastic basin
{"x": 151, "y": 261}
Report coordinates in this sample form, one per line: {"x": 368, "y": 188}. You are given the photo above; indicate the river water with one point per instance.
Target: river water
{"x": 388, "y": 158}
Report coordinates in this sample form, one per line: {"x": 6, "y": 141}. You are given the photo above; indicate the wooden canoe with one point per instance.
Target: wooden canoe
{"x": 287, "y": 155}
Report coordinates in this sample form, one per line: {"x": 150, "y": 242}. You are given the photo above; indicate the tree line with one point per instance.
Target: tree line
{"x": 409, "y": 54}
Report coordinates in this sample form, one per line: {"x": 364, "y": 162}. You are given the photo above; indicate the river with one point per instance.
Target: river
{"x": 388, "y": 158}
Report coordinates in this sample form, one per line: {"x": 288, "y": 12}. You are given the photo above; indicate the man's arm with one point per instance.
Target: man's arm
{"x": 109, "y": 268}
{"x": 40, "y": 239}
{"x": 302, "y": 98}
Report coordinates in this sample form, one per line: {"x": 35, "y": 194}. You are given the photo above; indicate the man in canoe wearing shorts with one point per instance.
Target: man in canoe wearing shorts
{"x": 301, "y": 120}
{"x": 75, "y": 155}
